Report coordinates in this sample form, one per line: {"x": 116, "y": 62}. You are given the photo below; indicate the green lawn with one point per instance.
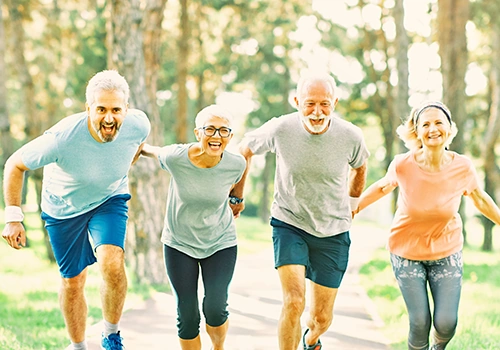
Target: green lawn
{"x": 479, "y": 313}
{"x": 30, "y": 318}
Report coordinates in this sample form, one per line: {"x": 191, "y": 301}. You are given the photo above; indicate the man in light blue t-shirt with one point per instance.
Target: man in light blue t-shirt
{"x": 320, "y": 174}
{"x": 86, "y": 158}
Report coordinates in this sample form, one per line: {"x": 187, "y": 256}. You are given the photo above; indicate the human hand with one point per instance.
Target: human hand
{"x": 14, "y": 234}
{"x": 237, "y": 209}
{"x": 138, "y": 153}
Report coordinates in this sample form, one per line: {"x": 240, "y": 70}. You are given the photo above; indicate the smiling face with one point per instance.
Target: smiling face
{"x": 433, "y": 128}
{"x": 106, "y": 115}
{"x": 215, "y": 144}
{"x": 315, "y": 104}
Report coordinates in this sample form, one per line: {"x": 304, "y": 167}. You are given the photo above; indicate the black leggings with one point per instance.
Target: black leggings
{"x": 216, "y": 271}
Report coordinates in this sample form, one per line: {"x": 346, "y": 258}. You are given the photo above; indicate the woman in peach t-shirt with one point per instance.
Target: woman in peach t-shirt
{"x": 426, "y": 234}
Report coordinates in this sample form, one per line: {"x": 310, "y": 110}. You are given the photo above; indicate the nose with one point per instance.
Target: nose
{"x": 317, "y": 109}
{"x": 108, "y": 117}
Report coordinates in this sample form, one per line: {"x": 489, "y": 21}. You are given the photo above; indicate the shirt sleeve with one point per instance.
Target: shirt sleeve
{"x": 39, "y": 152}
{"x": 472, "y": 180}
{"x": 165, "y": 155}
{"x": 361, "y": 152}
{"x": 261, "y": 140}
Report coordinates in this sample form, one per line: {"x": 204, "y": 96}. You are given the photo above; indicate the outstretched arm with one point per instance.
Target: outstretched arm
{"x": 13, "y": 231}
{"x": 485, "y": 204}
{"x": 373, "y": 193}
{"x": 238, "y": 189}
{"x": 150, "y": 151}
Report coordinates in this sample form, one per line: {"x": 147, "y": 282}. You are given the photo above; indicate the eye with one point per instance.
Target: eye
{"x": 326, "y": 104}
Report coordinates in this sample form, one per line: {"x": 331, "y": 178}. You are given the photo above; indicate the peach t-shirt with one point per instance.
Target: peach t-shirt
{"x": 427, "y": 225}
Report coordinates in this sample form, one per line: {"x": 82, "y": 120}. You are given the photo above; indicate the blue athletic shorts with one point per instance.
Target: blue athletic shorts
{"x": 70, "y": 239}
{"x": 325, "y": 258}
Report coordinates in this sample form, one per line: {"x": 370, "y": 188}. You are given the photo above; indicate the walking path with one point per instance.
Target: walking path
{"x": 255, "y": 305}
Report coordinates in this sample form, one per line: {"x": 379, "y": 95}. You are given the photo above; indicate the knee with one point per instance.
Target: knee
{"x": 188, "y": 320}
{"x": 111, "y": 260}
{"x": 216, "y": 314}
{"x": 294, "y": 304}
{"x": 74, "y": 285}
{"x": 445, "y": 327}
{"x": 322, "y": 320}
{"x": 420, "y": 325}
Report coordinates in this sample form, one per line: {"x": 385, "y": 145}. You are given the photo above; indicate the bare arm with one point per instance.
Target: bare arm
{"x": 14, "y": 170}
{"x": 238, "y": 189}
{"x": 376, "y": 191}
{"x": 357, "y": 180}
{"x": 485, "y": 204}
{"x": 138, "y": 153}
{"x": 150, "y": 151}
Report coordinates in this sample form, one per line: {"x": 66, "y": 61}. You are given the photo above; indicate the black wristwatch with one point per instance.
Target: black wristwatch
{"x": 235, "y": 200}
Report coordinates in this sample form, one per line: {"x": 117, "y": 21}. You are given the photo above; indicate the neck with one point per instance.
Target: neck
{"x": 432, "y": 159}
{"x": 202, "y": 160}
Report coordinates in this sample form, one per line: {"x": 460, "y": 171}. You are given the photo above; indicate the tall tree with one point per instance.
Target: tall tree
{"x": 6, "y": 143}
{"x": 491, "y": 169}
{"x": 451, "y": 32}
{"x": 127, "y": 28}
{"x": 182, "y": 73}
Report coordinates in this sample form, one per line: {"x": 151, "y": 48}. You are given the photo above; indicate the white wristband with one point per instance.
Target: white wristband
{"x": 13, "y": 214}
{"x": 354, "y": 202}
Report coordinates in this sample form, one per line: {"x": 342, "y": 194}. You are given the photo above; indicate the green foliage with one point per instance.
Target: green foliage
{"x": 30, "y": 318}
{"x": 479, "y": 321}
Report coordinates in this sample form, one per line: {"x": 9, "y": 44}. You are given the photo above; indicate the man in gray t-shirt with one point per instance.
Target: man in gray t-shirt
{"x": 320, "y": 173}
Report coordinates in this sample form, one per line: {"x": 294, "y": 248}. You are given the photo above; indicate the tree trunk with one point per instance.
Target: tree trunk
{"x": 491, "y": 169}
{"x": 129, "y": 42}
{"x": 182, "y": 72}
{"x": 33, "y": 123}
{"x": 452, "y": 18}
{"x": 6, "y": 141}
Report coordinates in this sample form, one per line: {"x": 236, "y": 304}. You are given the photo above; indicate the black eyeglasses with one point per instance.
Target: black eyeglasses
{"x": 211, "y": 130}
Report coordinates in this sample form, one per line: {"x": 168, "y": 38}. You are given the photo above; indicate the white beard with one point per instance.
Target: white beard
{"x": 316, "y": 129}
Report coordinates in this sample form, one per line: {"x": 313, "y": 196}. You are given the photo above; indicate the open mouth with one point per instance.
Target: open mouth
{"x": 215, "y": 145}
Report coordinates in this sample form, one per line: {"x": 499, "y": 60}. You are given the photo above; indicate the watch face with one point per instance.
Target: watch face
{"x": 234, "y": 200}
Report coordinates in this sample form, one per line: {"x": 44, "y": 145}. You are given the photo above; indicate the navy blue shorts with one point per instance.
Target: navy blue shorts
{"x": 325, "y": 258}
{"x": 70, "y": 239}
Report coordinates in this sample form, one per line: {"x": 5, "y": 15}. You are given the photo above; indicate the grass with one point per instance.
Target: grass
{"x": 30, "y": 318}
{"x": 479, "y": 319}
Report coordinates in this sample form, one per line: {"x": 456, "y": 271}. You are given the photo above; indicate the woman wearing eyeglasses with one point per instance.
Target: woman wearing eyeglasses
{"x": 426, "y": 234}
{"x": 199, "y": 231}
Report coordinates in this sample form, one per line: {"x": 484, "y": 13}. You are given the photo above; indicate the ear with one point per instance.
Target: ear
{"x": 335, "y": 102}
{"x": 296, "y": 100}
{"x": 87, "y": 107}
{"x": 197, "y": 134}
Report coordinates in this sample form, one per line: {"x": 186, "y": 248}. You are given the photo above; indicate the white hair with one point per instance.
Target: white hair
{"x": 106, "y": 80}
{"x": 212, "y": 111}
{"x": 314, "y": 77}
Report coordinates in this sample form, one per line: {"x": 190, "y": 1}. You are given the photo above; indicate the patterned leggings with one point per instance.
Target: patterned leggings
{"x": 444, "y": 277}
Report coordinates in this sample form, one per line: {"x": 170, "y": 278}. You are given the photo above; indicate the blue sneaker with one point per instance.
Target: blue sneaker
{"x": 112, "y": 342}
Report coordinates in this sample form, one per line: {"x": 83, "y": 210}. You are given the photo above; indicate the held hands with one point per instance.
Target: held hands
{"x": 14, "y": 234}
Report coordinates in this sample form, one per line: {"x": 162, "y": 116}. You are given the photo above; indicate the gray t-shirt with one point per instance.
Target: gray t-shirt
{"x": 79, "y": 172}
{"x": 311, "y": 181}
{"x": 199, "y": 220}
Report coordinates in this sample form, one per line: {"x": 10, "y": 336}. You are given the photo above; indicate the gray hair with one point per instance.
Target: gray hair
{"x": 106, "y": 80}
{"x": 309, "y": 78}
{"x": 212, "y": 111}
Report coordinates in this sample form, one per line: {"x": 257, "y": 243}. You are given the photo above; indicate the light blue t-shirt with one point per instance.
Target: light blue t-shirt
{"x": 79, "y": 172}
{"x": 199, "y": 220}
{"x": 311, "y": 180}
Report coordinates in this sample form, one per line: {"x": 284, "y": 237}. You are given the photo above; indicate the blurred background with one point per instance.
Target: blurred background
{"x": 247, "y": 55}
